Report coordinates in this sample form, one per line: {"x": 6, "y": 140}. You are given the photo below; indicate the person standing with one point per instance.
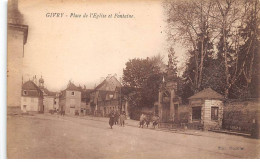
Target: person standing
{"x": 116, "y": 117}
{"x": 122, "y": 119}
{"x": 111, "y": 119}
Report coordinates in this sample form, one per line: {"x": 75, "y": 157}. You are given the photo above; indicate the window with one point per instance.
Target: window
{"x": 55, "y": 102}
{"x": 72, "y": 93}
{"x": 196, "y": 113}
{"x": 214, "y": 113}
{"x": 24, "y": 92}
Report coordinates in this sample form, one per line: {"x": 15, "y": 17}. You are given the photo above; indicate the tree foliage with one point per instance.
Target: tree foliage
{"x": 144, "y": 75}
{"x": 222, "y": 38}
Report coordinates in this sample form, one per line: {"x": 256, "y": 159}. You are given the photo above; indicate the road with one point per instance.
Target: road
{"x": 45, "y": 136}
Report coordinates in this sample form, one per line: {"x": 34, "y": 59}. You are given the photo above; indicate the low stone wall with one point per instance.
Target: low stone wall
{"x": 242, "y": 116}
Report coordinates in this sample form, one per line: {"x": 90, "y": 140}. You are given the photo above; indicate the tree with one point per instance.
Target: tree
{"x": 145, "y": 76}
{"x": 136, "y": 72}
{"x": 227, "y": 16}
{"x": 248, "y": 55}
{"x": 238, "y": 25}
{"x": 190, "y": 24}
{"x": 222, "y": 37}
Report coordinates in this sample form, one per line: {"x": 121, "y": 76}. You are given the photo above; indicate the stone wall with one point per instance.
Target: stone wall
{"x": 242, "y": 116}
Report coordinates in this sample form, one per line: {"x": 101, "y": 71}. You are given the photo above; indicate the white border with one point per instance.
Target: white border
{"x": 3, "y": 66}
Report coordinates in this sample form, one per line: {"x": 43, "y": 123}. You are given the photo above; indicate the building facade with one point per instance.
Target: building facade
{"x": 206, "y": 109}
{"x": 31, "y": 98}
{"x": 70, "y": 100}
{"x": 17, "y": 38}
{"x": 106, "y": 97}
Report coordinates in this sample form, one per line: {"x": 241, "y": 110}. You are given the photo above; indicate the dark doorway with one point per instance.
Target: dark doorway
{"x": 196, "y": 113}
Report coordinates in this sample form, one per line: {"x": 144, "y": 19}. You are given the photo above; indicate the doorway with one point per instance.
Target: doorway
{"x": 196, "y": 113}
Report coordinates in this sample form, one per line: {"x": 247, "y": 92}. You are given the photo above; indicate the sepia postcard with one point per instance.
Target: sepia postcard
{"x": 121, "y": 79}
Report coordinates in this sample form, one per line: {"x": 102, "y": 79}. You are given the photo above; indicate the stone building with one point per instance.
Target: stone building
{"x": 108, "y": 84}
{"x": 31, "y": 97}
{"x": 206, "y": 109}
{"x": 106, "y": 97}
{"x": 108, "y": 101}
{"x": 16, "y": 39}
{"x": 70, "y": 99}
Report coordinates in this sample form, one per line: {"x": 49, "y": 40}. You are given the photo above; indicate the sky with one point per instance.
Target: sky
{"x": 86, "y": 49}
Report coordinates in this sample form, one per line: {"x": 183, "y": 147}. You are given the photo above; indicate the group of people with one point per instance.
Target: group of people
{"x": 114, "y": 117}
{"x": 146, "y": 119}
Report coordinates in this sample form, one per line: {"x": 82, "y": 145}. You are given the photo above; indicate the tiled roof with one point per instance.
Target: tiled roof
{"x": 100, "y": 85}
{"x": 50, "y": 93}
{"x": 30, "y": 85}
{"x": 207, "y": 94}
{"x": 109, "y": 83}
{"x": 72, "y": 87}
{"x": 31, "y": 89}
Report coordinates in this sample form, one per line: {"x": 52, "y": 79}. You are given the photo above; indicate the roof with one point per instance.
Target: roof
{"x": 109, "y": 84}
{"x": 49, "y": 93}
{"x": 72, "y": 87}
{"x": 31, "y": 88}
{"x": 30, "y": 85}
{"x": 207, "y": 94}
{"x": 100, "y": 85}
